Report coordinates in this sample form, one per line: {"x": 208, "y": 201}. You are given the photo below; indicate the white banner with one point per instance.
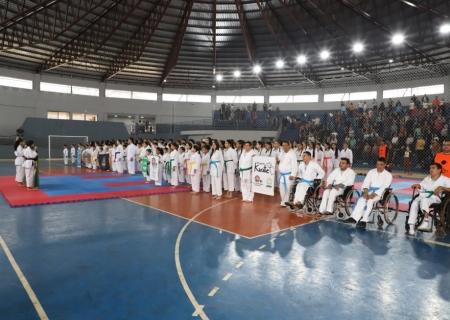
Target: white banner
{"x": 263, "y": 179}
{"x": 153, "y": 168}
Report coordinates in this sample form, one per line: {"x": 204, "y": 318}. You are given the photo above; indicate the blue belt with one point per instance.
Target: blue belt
{"x": 310, "y": 182}
{"x": 373, "y": 189}
{"x": 214, "y": 163}
{"x": 283, "y": 175}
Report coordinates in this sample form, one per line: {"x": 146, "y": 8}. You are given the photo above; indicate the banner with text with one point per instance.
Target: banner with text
{"x": 263, "y": 179}
{"x": 153, "y": 168}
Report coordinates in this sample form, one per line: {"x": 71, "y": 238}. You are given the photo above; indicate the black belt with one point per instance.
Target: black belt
{"x": 30, "y": 158}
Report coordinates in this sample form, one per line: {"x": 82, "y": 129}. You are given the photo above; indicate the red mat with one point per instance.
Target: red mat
{"x": 20, "y": 197}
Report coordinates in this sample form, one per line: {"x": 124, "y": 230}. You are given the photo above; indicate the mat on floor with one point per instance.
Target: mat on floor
{"x": 84, "y": 187}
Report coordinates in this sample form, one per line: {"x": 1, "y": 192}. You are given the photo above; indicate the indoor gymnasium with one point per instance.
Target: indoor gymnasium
{"x": 224, "y": 159}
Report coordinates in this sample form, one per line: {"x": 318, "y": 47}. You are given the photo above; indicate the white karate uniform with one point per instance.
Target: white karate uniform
{"x": 66, "y": 156}
{"x": 277, "y": 153}
{"x": 319, "y": 158}
{"x": 245, "y": 171}
{"x": 288, "y": 167}
{"x": 160, "y": 170}
{"x": 94, "y": 159}
{"x": 337, "y": 160}
{"x": 237, "y": 182}
{"x": 337, "y": 177}
{"x": 29, "y": 166}
{"x": 308, "y": 172}
{"x": 347, "y": 153}
{"x": 299, "y": 154}
{"x": 267, "y": 153}
{"x": 138, "y": 159}
{"x": 194, "y": 171}
{"x": 118, "y": 158}
{"x": 73, "y": 155}
{"x": 174, "y": 158}
{"x": 205, "y": 173}
{"x": 20, "y": 170}
{"x": 426, "y": 198}
{"x": 216, "y": 169}
{"x": 230, "y": 164}
{"x": 381, "y": 181}
{"x": 327, "y": 163}
{"x": 131, "y": 158}
{"x": 124, "y": 159}
{"x": 187, "y": 158}
{"x": 181, "y": 175}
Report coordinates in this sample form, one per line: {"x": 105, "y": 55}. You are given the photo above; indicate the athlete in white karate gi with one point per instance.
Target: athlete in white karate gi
{"x": 336, "y": 182}
{"x": 65, "y": 155}
{"x": 30, "y": 156}
{"x": 287, "y": 165}
{"x": 245, "y": 171}
{"x": 429, "y": 191}
{"x": 374, "y": 185}
{"x": 308, "y": 171}
{"x": 18, "y": 152}
{"x": 347, "y": 153}
{"x": 230, "y": 164}
{"x": 174, "y": 158}
{"x": 131, "y": 154}
{"x": 216, "y": 170}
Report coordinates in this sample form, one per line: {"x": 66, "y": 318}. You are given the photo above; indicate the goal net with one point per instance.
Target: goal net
{"x": 56, "y": 143}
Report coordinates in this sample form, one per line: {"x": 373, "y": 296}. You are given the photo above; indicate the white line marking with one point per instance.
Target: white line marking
{"x": 213, "y": 292}
{"x": 262, "y": 247}
{"x": 282, "y": 234}
{"x": 239, "y": 265}
{"x": 198, "y": 310}
{"x": 273, "y": 239}
{"x": 227, "y": 277}
{"x": 24, "y": 281}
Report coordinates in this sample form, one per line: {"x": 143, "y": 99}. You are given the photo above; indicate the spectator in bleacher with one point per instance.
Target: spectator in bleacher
{"x": 366, "y": 153}
{"x": 425, "y": 100}
{"x": 374, "y": 103}
{"x": 248, "y": 117}
{"x": 254, "y": 106}
{"x": 343, "y": 108}
{"x": 436, "y": 102}
{"x": 265, "y": 107}
{"x": 270, "y": 110}
{"x": 249, "y": 108}
{"x": 19, "y": 133}
{"x": 275, "y": 123}
{"x": 277, "y": 110}
{"x": 420, "y": 150}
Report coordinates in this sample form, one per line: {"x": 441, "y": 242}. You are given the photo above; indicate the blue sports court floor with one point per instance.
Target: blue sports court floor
{"x": 119, "y": 259}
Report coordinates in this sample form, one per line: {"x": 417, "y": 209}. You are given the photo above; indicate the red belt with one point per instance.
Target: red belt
{"x": 325, "y": 164}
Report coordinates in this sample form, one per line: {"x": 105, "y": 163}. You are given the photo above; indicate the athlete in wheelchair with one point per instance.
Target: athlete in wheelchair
{"x": 428, "y": 202}
{"x": 376, "y": 196}
{"x": 338, "y": 185}
{"x": 304, "y": 191}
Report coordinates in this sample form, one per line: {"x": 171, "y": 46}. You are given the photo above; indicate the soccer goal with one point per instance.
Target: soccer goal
{"x": 56, "y": 143}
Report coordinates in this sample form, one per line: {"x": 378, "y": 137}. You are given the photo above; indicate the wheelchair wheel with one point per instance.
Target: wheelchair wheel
{"x": 316, "y": 197}
{"x": 439, "y": 233}
{"x": 380, "y": 222}
{"x": 407, "y": 227}
{"x": 340, "y": 215}
{"x": 390, "y": 208}
{"x": 445, "y": 216}
{"x": 350, "y": 201}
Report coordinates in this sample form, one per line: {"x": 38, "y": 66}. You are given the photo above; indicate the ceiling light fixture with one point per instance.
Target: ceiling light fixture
{"x": 445, "y": 28}
{"x": 324, "y": 54}
{"x": 358, "y": 47}
{"x": 219, "y": 77}
{"x": 301, "y": 59}
{"x": 398, "y": 39}
{"x": 256, "y": 69}
{"x": 237, "y": 74}
{"x": 280, "y": 64}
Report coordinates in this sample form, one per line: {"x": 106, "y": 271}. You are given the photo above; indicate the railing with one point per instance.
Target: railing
{"x": 7, "y": 140}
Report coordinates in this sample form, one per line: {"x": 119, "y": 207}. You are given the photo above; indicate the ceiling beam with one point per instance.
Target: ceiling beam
{"x": 214, "y": 36}
{"x": 22, "y": 12}
{"x": 93, "y": 36}
{"x": 251, "y": 50}
{"x": 134, "y": 48}
{"x": 425, "y": 9}
{"x": 178, "y": 41}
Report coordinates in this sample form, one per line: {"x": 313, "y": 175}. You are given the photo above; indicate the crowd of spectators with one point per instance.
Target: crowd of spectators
{"x": 249, "y": 114}
{"x": 415, "y": 130}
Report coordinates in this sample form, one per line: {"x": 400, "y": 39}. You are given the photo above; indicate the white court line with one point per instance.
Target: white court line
{"x": 239, "y": 265}
{"x": 198, "y": 308}
{"x": 262, "y": 247}
{"x": 213, "y": 292}
{"x": 273, "y": 239}
{"x": 227, "y": 277}
{"x": 24, "y": 281}
{"x": 282, "y": 234}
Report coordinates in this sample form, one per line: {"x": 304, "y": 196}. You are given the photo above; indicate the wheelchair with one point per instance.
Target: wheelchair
{"x": 345, "y": 201}
{"x": 439, "y": 212}
{"x": 312, "y": 197}
{"x": 386, "y": 206}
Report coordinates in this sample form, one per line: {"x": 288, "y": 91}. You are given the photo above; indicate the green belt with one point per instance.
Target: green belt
{"x": 166, "y": 167}
{"x": 299, "y": 161}
{"x": 245, "y": 169}
{"x": 170, "y": 166}
{"x": 430, "y": 193}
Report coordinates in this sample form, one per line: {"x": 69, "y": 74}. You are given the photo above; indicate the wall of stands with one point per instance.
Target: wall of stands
{"x": 17, "y": 104}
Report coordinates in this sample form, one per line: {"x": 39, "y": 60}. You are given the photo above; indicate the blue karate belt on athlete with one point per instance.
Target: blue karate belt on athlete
{"x": 371, "y": 191}
{"x": 310, "y": 182}
{"x": 283, "y": 175}
{"x": 214, "y": 163}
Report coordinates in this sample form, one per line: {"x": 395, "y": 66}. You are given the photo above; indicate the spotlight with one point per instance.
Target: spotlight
{"x": 342, "y": 68}
{"x": 358, "y": 47}
{"x": 237, "y": 74}
{"x": 301, "y": 59}
{"x": 445, "y": 28}
{"x": 324, "y": 54}
{"x": 280, "y": 64}
{"x": 214, "y": 87}
{"x": 398, "y": 39}
{"x": 390, "y": 61}
{"x": 165, "y": 80}
{"x": 257, "y": 69}
{"x": 219, "y": 77}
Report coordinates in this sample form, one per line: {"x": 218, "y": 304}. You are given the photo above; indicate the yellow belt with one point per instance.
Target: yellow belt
{"x": 202, "y": 166}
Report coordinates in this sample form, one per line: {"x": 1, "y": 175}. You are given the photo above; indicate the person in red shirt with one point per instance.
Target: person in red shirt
{"x": 443, "y": 158}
